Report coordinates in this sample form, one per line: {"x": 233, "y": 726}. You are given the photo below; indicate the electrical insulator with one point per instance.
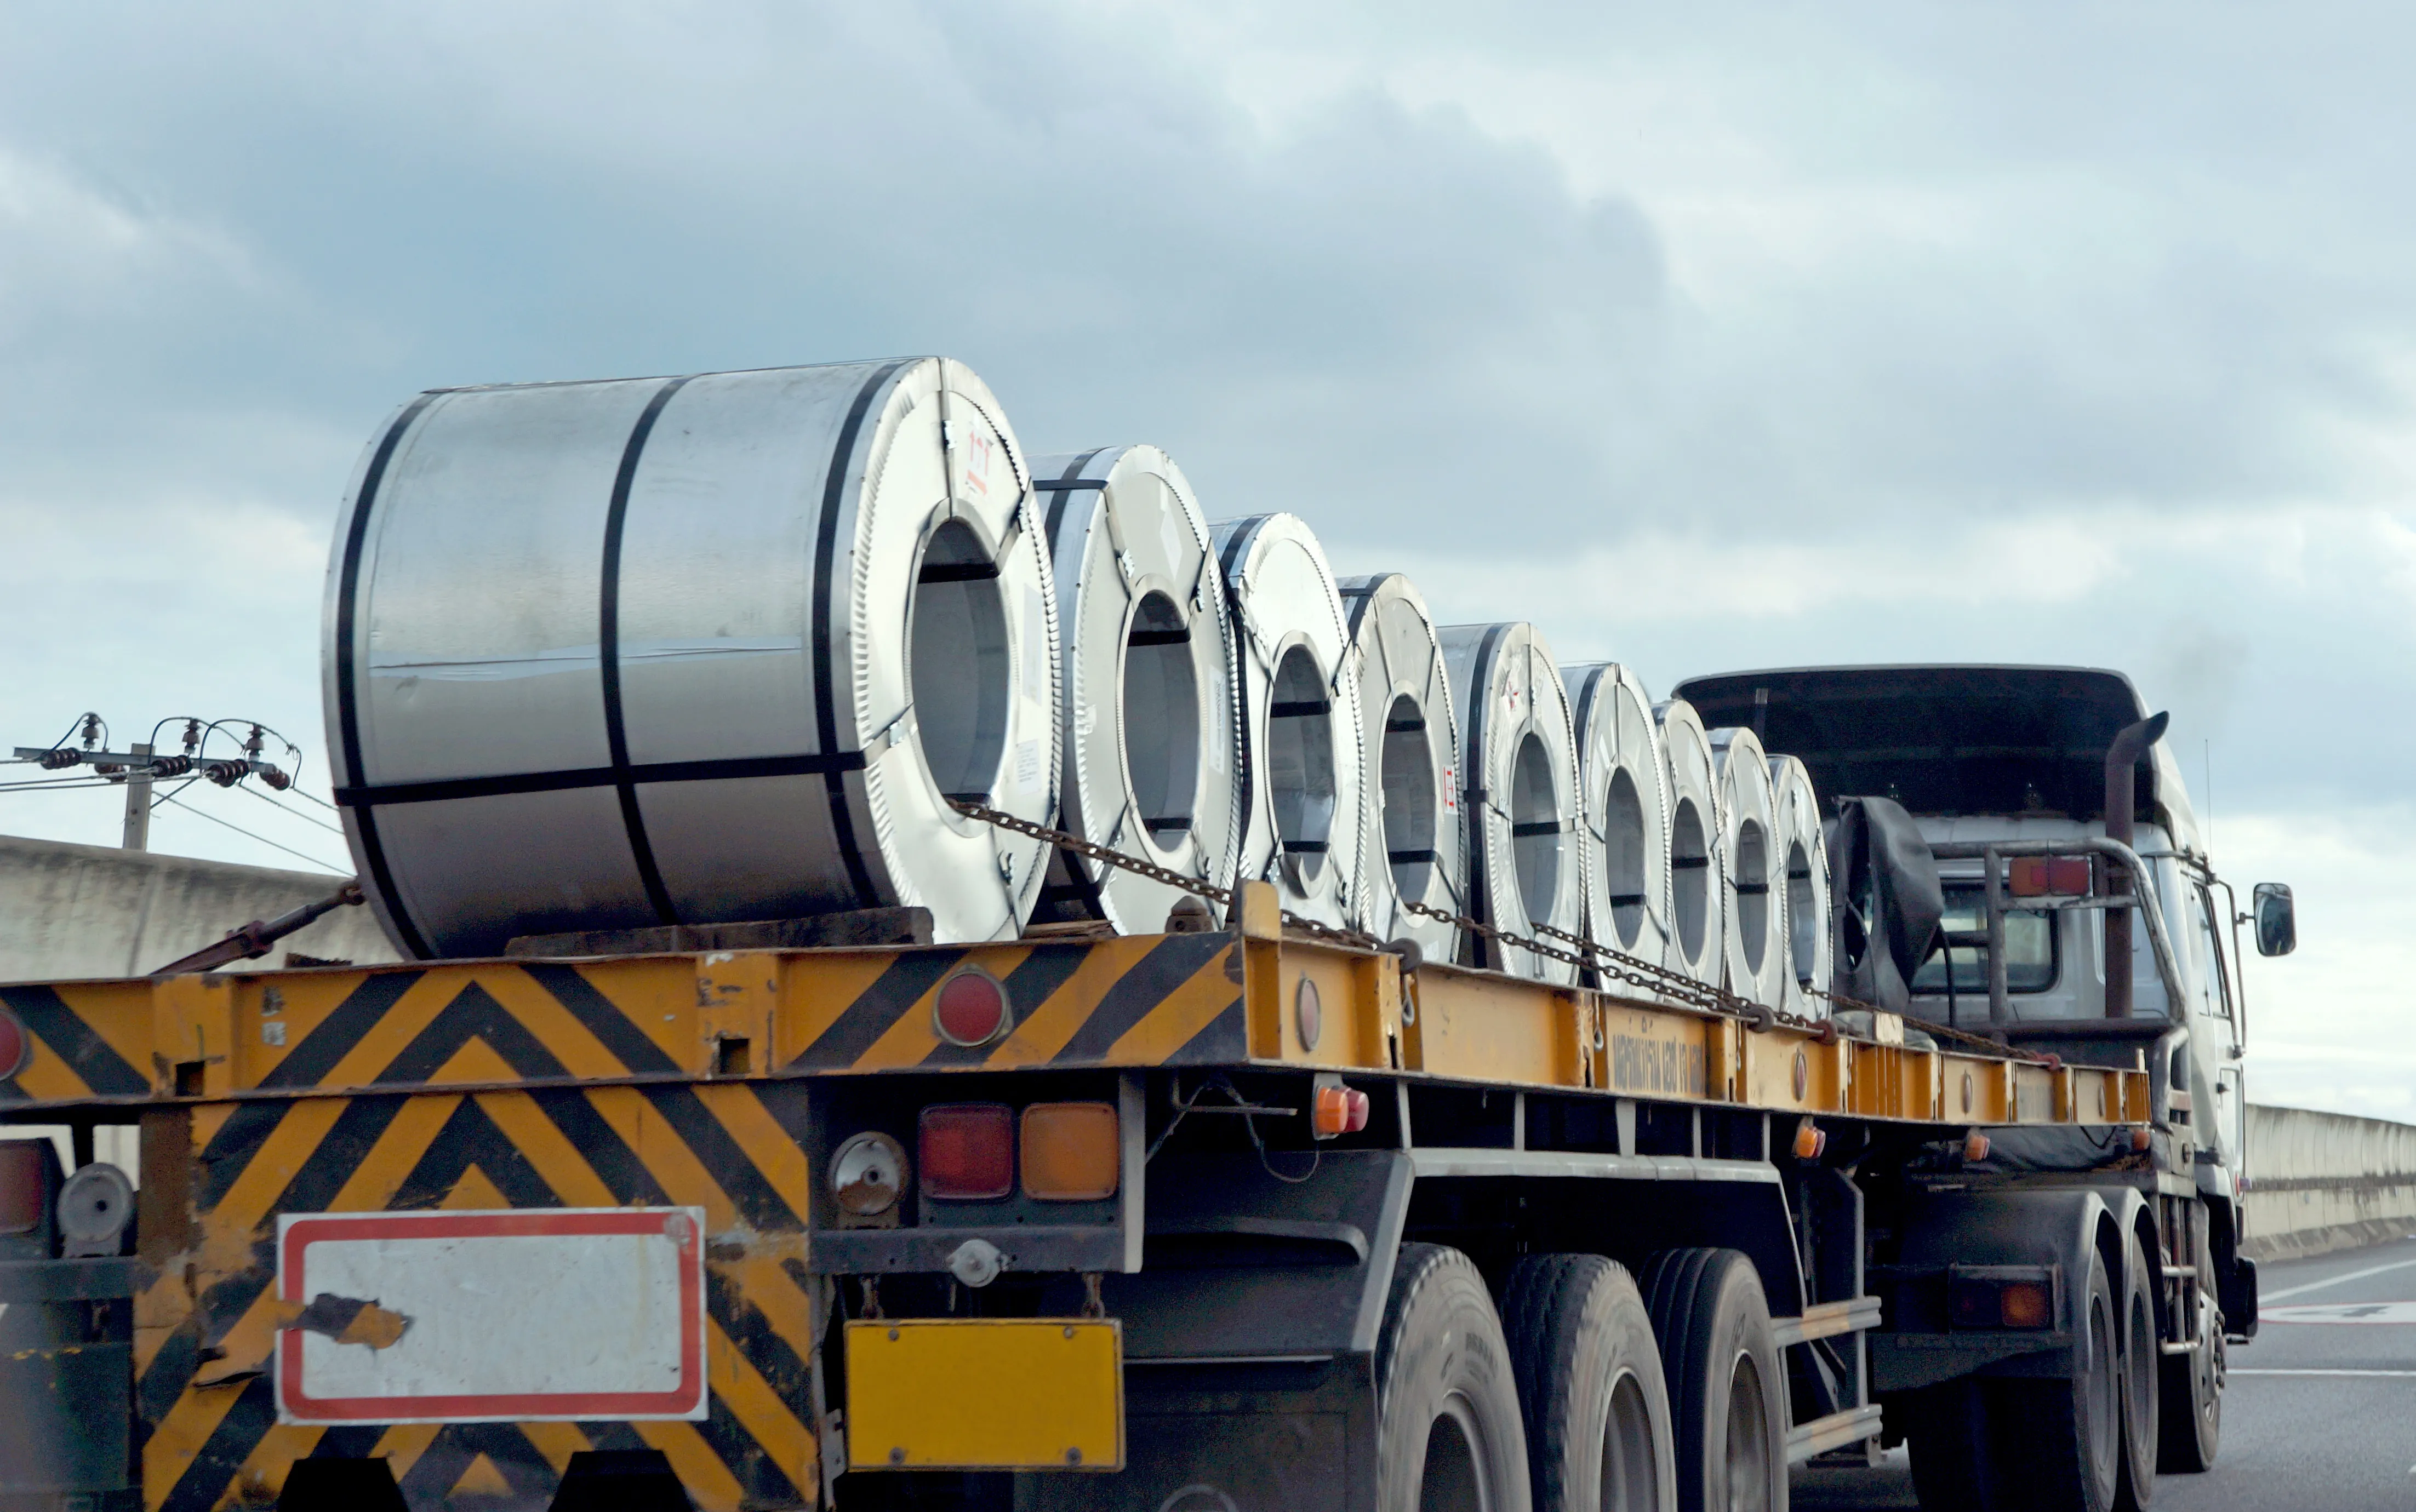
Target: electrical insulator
{"x": 61, "y": 758}
{"x": 275, "y": 778}
{"x": 225, "y": 773}
{"x": 170, "y": 766}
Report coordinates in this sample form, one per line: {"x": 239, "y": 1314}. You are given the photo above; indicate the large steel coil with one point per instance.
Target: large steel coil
{"x": 1758, "y": 964}
{"x": 1519, "y": 757}
{"x": 1416, "y": 843}
{"x": 697, "y": 649}
{"x": 1624, "y": 780}
{"x": 1697, "y": 897}
{"x": 1304, "y": 756}
{"x": 1149, "y": 674}
{"x": 1802, "y": 854}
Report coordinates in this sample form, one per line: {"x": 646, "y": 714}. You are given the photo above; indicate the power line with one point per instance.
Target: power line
{"x": 249, "y": 835}
{"x": 291, "y": 812}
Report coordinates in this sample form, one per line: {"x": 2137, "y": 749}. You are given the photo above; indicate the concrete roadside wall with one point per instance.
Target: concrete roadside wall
{"x": 71, "y": 911}
{"x": 2322, "y": 1181}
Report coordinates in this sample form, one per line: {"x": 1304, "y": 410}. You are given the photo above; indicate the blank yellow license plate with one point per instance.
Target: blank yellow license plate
{"x": 985, "y": 1394}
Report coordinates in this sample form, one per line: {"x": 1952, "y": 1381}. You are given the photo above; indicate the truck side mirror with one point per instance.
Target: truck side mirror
{"x": 2277, "y": 924}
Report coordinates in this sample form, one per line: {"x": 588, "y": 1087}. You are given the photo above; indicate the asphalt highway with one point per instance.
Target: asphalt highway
{"x": 2318, "y": 1415}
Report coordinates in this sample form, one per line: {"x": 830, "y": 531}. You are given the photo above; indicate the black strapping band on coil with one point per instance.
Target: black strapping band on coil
{"x": 1061, "y": 485}
{"x": 348, "y": 715}
{"x": 724, "y": 769}
{"x": 608, "y": 667}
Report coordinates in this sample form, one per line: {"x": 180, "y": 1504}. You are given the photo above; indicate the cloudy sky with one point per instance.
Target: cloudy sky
{"x": 1707, "y": 337}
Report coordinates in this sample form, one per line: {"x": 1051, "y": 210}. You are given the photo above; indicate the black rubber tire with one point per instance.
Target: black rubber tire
{"x": 1448, "y": 1435}
{"x": 1589, "y": 1376}
{"x": 2192, "y": 1420}
{"x": 2070, "y": 1431}
{"x": 1950, "y": 1438}
{"x": 1728, "y": 1390}
{"x": 2142, "y": 1372}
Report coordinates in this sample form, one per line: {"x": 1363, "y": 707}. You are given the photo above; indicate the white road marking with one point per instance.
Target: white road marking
{"x": 2335, "y": 1280}
{"x": 2368, "y": 1312}
{"x": 2397, "y": 1375}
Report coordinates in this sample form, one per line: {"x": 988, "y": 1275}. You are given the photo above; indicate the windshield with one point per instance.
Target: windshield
{"x": 2030, "y": 957}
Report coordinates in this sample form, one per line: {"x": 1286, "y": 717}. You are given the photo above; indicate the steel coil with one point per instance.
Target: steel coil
{"x": 1416, "y": 847}
{"x": 697, "y": 649}
{"x": 1802, "y": 854}
{"x": 1624, "y": 780}
{"x": 1304, "y": 751}
{"x": 1697, "y": 898}
{"x": 1758, "y": 964}
{"x": 1148, "y": 671}
{"x": 1519, "y": 754}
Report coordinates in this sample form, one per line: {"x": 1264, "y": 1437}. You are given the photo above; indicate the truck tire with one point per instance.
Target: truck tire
{"x": 2142, "y": 1370}
{"x": 2071, "y": 1431}
{"x": 1727, "y": 1392}
{"x": 1948, "y": 1433}
{"x": 1589, "y": 1379}
{"x": 1448, "y": 1436}
{"x": 2192, "y": 1418}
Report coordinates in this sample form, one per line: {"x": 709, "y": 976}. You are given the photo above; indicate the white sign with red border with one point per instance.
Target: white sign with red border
{"x": 517, "y": 1316}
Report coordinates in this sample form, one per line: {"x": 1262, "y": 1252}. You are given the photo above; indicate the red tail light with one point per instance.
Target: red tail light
{"x": 2034, "y": 877}
{"x": 24, "y": 1184}
{"x": 968, "y": 1150}
{"x": 16, "y": 1045}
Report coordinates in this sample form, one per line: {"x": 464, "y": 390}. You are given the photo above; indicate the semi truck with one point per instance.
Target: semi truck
{"x": 1242, "y": 1215}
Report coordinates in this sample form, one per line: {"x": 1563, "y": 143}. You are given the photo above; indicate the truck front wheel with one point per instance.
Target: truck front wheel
{"x": 1590, "y": 1378}
{"x": 1448, "y": 1434}
{"x": 1727, "y": 1392}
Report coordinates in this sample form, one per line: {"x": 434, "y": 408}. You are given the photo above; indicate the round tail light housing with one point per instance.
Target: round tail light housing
{"x": 971, "y": 1009}
{"x": 867, "y": 1174}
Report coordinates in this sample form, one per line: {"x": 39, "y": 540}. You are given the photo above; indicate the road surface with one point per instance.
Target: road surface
{"x": 2320, "y": 1414}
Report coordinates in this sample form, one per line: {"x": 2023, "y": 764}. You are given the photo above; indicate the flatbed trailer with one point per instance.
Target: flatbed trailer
{"x": 1230, "y": 1320}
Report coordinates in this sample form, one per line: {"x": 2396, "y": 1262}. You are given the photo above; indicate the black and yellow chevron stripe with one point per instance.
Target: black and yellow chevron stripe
{"x": 1142, "y": 1001}
{"x": 540, "y": 1085}
{"x": 207, "y": 1419}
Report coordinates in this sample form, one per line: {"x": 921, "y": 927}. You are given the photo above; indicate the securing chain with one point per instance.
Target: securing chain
{"x": 1607, "y": 964}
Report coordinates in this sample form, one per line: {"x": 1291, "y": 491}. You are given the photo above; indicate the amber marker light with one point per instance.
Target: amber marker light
{"x": 1071, "y": 1152}
{"x": 2025, "y": 1305}
{"x": 968, "y": 1152}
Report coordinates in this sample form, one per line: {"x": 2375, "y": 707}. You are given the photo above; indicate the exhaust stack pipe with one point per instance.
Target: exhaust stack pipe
{"x": 2121, "y": 760}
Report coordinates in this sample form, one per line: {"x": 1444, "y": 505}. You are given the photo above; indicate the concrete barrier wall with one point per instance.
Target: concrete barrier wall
{"x": 2321, "y": 1181}
{"x": 87, "y": 911}
{"x": 69, "y": 911}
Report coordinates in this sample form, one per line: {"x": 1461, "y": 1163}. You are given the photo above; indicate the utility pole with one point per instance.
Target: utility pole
{"x": 138, "y": 801}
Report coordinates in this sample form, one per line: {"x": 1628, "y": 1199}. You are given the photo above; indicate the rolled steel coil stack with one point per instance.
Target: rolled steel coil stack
{"x": 1416, "y": 845}
{"x": 745, "y": 646}
{"x": 1149, "y": 726}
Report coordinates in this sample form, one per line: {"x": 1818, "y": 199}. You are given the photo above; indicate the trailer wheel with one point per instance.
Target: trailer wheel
{"x": 1448, "y": 1438}
{"x": 1727, "y": 1392}
{"x": 1589, "y": 1379}
{"x": 2193, "y": 1400}
{"x": 2071, "y": 1431}
{"x": 2142, "y": 1366}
